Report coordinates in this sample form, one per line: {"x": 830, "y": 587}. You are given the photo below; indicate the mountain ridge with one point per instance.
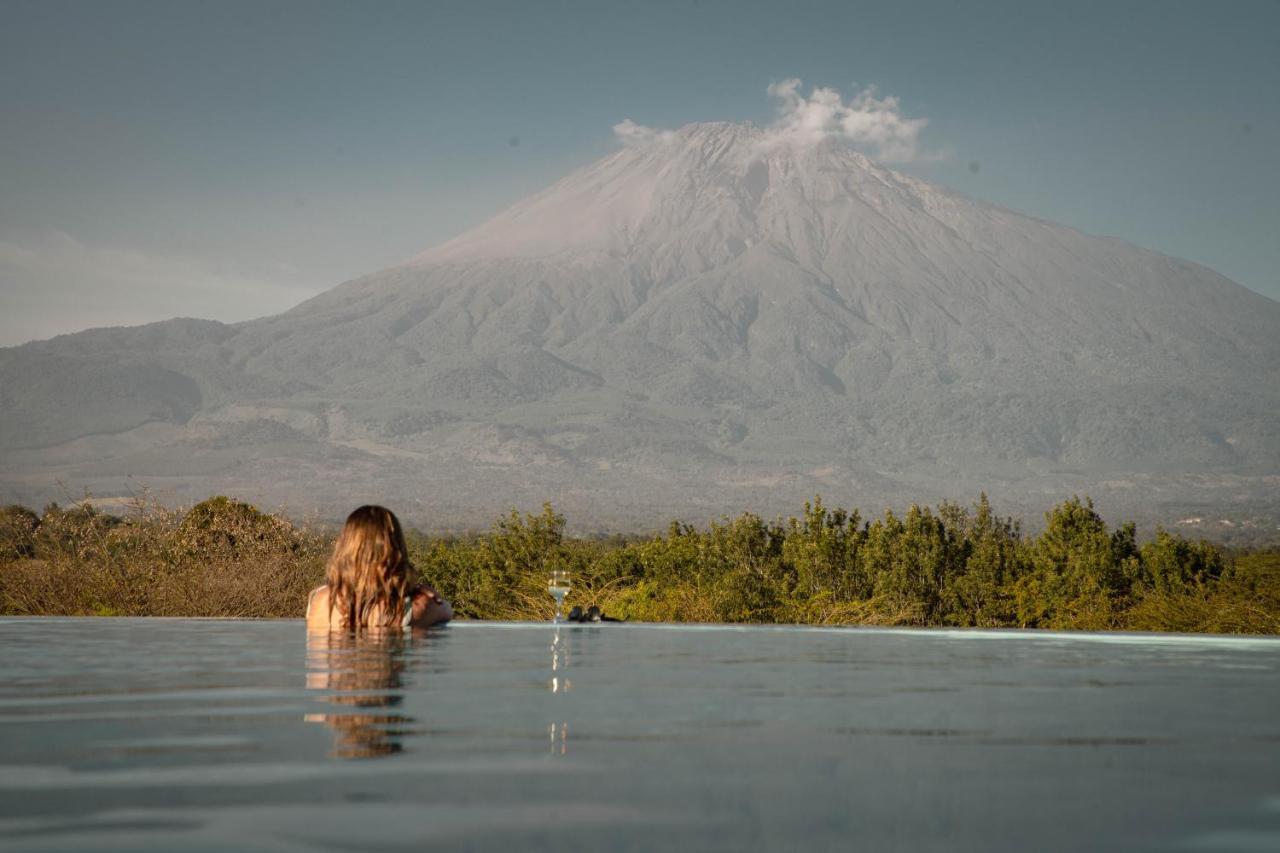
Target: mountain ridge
{"x": 713, "y": 305}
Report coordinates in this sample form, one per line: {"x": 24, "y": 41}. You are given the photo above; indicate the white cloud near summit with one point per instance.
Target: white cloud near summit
{"x": 867, "y": 121}
{"x": 631, "y": 134}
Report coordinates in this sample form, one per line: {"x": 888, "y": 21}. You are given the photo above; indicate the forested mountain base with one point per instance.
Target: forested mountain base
{"x": 944, "y": 566}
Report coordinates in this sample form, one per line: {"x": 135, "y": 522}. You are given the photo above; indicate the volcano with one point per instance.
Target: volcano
{"x": 715, "y": 318}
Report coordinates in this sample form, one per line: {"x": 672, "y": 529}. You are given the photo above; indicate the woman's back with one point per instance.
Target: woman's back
{"x": 367, "y": 580}
{"x": 320, "y": 616}
{"x": 423, "y": 608}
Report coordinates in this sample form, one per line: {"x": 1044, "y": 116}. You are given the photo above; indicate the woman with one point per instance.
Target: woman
{"x": 368, "y": 580}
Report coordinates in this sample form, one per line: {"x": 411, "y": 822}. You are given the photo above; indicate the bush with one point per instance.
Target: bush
{"x": 221, "y": 525}
{"x": 220, "y": 561}
{"x": 946, "y": 566}
{"x": 17, "y": 532}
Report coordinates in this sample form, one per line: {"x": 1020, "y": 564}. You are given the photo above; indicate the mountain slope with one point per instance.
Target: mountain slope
{"x": 715, "y": 317}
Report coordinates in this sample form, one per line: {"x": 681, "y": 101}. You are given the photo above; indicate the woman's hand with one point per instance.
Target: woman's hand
{"x": 428, "y": 607}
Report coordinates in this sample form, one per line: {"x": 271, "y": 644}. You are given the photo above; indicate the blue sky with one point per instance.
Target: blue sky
{"x": 227, "y": 159}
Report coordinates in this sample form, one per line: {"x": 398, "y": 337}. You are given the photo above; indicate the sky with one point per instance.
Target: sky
{"x": 227, "y": 160}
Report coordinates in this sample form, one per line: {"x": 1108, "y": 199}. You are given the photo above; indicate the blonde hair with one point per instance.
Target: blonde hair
{"x": 368, "y": 573}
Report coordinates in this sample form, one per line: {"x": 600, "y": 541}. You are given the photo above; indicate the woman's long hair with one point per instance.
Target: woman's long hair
{"x": 368, "y": 574}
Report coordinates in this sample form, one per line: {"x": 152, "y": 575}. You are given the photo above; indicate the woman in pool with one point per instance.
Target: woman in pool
{"x": 368, "y": 580}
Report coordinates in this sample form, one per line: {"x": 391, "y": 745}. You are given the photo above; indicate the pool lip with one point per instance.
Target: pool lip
{"x": 1169, "y": 638}
{"x": 1270, "y": 641}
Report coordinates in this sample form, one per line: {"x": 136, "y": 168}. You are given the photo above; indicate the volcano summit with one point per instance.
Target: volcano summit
{"x": 709, "y": 319}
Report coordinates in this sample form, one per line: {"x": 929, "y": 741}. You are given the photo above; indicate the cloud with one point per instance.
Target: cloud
{"x": 635, "y": 135}
{"x": 866, "y": 120}
{"x": 52, "y": 283}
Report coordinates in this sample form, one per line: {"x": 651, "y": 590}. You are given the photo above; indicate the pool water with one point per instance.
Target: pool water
{"x": 132, "y": 734}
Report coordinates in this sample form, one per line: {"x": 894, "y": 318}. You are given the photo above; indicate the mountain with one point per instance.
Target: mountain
{"x": 717, "y": 318}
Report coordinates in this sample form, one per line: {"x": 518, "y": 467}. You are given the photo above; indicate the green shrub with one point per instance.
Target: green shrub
{"x": 949, "y": 565}
{"x": 17, "y": 532}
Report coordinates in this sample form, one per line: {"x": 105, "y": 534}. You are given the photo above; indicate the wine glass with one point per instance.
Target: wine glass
{"x": 558, "y": 586}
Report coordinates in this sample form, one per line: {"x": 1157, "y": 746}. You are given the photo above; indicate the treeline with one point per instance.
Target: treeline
{"x": 950, "y": 565}
{"x": 220, "y": 558}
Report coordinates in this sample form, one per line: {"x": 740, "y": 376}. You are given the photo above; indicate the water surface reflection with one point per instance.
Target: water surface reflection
{"x": 188, "y": 735}
{"x": 362, "y": 677}
{"x": 559, "y": 729}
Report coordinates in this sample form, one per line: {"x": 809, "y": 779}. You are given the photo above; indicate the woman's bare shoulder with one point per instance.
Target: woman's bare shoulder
{"x": 318, "y": 607}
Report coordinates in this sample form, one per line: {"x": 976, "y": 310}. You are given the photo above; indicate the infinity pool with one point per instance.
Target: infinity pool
{"x": 126, "y": 734}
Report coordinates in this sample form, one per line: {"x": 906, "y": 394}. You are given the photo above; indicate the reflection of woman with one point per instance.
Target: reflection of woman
{"x": 367, "y": 580}
{"x": 361, "y": 669}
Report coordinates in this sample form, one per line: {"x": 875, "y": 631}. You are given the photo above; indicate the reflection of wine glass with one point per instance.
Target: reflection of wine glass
{"x": 559, "y": 737}
{"x": 559, "y": 664}
{"x": 558, "y": 586}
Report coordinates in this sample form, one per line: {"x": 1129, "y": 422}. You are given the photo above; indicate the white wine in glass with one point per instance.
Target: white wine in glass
{"x": 558, "y": 586}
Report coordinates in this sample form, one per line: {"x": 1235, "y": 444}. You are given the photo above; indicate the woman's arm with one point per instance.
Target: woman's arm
{"x": 429, "y": 608}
